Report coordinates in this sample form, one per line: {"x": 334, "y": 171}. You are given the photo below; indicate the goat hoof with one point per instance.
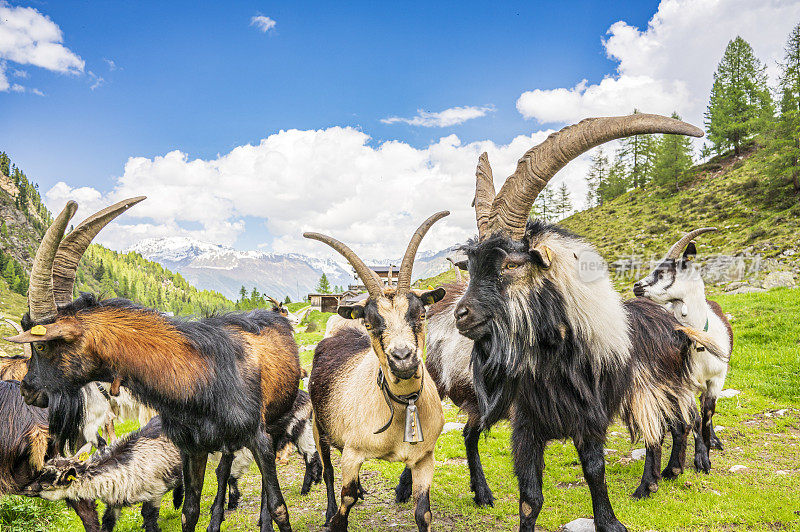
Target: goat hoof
{"x": 484, "y": 497}
{"x": 716, "y": 444}
{"x": 644, "y": 491}
{"x": 702, "y": 463}
{"x": 671, "y": 473}
{"x": 614, "y": 526}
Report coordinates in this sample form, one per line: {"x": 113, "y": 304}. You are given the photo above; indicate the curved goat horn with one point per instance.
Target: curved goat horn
{"x": 74, "y": 245}
{"x": 41, "y": 302}
{"x": 17, "y": 326}
{"x": 368, "y": 277}
{"x": 484, "y": 193}
{"x": 273, "y": 301}
{"x": 404, "y": 274}
{"x": 512, "y": 204}
{"x": 678, "y": 247}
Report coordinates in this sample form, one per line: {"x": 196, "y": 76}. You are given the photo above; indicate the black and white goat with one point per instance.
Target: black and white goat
{"x": 677, "y": 285}
{"x": 138, "y": 468}
{"x": 553, "y": 339}
{"x": 219, "y": 383}
{"x": 362, "y": 375}
{"x": 25, "y": 446}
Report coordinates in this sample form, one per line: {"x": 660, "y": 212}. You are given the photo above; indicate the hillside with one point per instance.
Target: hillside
{"x": 758, "y": 220}
{"x": 23, "y": 219}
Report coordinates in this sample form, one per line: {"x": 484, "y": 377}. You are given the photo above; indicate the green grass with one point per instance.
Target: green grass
{"x": 765, "y": 367}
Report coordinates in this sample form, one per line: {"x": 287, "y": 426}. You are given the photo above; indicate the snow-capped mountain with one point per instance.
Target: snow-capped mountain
{"x": 226, "y": 270}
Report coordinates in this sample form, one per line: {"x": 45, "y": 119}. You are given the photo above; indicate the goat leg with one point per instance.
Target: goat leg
{"x": 422, "y": 475}
{"x": 87, "y": 512}
{"x": 677, "y": 458}
{"x": 273, "y": 507}
{"x": 110, "y": 517}
{"x": 402, "y": 492}
{"x": 218, "y": 506}
{"x": 590, "y": 452}
{"x": 351, "y": 466}
{"x": 194, "y": 470}
{"x": 528, "y": 452}
{"x": 702, "y": 439}
{"x": 651, "y": 474}
{"x": 150, "y": 513}
{"x": 477, "y": 479}
{"x": 324, "y": 450}
{"x": 710, "y": 398}
{"x": 313, "y": 472}
{"x": 233, "y": 493}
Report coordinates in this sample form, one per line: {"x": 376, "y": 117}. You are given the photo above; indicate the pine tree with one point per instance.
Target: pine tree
{"x": 783, "y": 146}
{"x": 563, "y": 203}
{"x": 673, "y": 156}
{"x": 740, "y": 104}
{"x": 544, "y": 206}
{"x": 5, "y": 163}
{"x": 596, "y": 178}
{"x": 324, "y": 286}
{"x": 637, "y": 154}
{"x": 618, "y": 182}
{"x": 243, "y": 294}
{"x": 100, "y": 271}
{"x": 287, "y": 300}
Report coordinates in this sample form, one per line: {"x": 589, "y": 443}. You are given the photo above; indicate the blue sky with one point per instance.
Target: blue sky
{"x": 205, "y": 80}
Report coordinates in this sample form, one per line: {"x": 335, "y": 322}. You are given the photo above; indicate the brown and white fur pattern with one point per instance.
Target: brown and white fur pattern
{"x": 678, "y": 286}
{"x": 349, "y": 407}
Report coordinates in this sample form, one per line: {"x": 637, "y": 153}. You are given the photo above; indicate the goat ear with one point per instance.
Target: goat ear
{"x": 542, "y": 255}
{"x": 462, "y": 264}
{"x": 69, "y": 476}
{"x": 351, "y": 312}
{"x": 69, "y": 331}
{"x": 690, "y": 252}
{"x": 432, "y": 296}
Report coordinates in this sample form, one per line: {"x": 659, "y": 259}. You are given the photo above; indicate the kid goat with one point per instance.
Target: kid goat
{"x": 677, "y": 285}
{"x": 554, "y": 341}
{"x": 351, "y": 410}
{"x": 220, "y": 383}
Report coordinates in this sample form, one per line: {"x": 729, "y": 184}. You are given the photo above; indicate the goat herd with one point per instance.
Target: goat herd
{"x": 527, "y": 338}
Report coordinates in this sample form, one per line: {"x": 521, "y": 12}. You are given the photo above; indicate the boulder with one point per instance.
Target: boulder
{"x": 638, "y": 454}
{"x": 579, "y": 525}
{"x": 779, "y": 280}
{"x": 450, "y": 426}
{"x": 747, "y": 290}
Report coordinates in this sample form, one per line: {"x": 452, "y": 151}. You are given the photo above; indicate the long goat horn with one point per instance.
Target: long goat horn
{"x": 26, "y": 348}
{"x": 368, "y": 277}
{"x": 404, "y": 274}
{"x": 74, "y": 245}
{"x": 678, "y": 247}
{"x": 273, "y": 301}
{"x": 484, "y": 194}
{"x": 513, "y": 203}
{"x": 41, "y": 302}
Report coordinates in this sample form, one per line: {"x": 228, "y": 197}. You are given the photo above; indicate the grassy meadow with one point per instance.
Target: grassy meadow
{"x": 760, "y": 428}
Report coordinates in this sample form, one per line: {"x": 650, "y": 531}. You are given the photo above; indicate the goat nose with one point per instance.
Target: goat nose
{"x": 462, "y": 311}
{"x": 401, "y": 353}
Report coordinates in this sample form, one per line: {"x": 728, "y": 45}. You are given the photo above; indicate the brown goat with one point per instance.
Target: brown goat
{"x": 350, "y": 409}
{"x": 220, "y": 383}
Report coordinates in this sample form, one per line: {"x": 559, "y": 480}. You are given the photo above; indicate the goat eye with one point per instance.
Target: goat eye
{"x": 511, "y": 265}
{"x": 367, "y": 326}
{"x": 39, "y": 347}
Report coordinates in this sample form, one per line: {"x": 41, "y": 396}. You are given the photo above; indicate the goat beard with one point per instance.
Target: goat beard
{"x": 498, "y": 364}
{"x": 65, "y": 419}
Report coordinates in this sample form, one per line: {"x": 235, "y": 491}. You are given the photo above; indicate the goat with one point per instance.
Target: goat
{"x": 448, "y": 362}
{"x": 25, "y": 446}
{"x": 14, "y": 367}
{"x": 349, "y": 408}
{"x": 677, "y": 285}
{"x": 278, "y": 307}
{"x": 139, "y": 468}
{"x": 295, "y": 428}
{"x": 219, "y": 383}
{"x": 553, "y": 339}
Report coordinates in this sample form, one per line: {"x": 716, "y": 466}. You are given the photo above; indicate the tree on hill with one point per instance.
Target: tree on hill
{"x": 324, "y": 286}
{"x": 637, "y": 154}
{"x": 543, "y": 207}
{"x": 617, "y": 182}
{"x": 563, "y": 203}
{"x": 783, "y": 145}
{"x": 740, "y": 104}
{"x": 5, "y": 164}
{"x": 596, "y": 178}
{"x": 287, "y": 300}
{"x": 673, "y": 156}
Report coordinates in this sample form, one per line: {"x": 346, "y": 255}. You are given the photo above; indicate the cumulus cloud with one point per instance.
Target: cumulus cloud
{"x": 446, "y": 118}
{"x": 330, "y": 180}
{"x": 264, "y": 24}
{"x": 669, "y": 65}
{"x": 28, "y": 37}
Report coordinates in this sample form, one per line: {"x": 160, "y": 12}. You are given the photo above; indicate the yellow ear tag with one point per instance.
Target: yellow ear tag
{"x": 353, "y": 314}
{"x": 39, "y": 330}
{"x": 83, "y": 457}
{"x": 548, "y": 253}
{"x": 429, "y": 300}
{"x": 71, "y": 478}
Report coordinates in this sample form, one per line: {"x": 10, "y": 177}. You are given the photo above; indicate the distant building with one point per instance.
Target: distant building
{"x": 330, "y": 302}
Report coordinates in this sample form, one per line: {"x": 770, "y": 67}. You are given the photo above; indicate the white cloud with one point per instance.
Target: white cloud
{"x": 96, "y": 81}
{"x": 112, "y": 66}
{"x": 20, "y": 74}
{"x": 28, "y": 37}
{"x": 264, "y": 24}
{"x": 448, "y": 117}
{"x": 669, "y": 65}
{"x": 330, "y": 180}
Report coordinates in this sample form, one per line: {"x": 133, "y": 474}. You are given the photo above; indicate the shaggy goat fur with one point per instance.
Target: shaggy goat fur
{"x": 568, "y": 355}
{"x": 219, "y": 383}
